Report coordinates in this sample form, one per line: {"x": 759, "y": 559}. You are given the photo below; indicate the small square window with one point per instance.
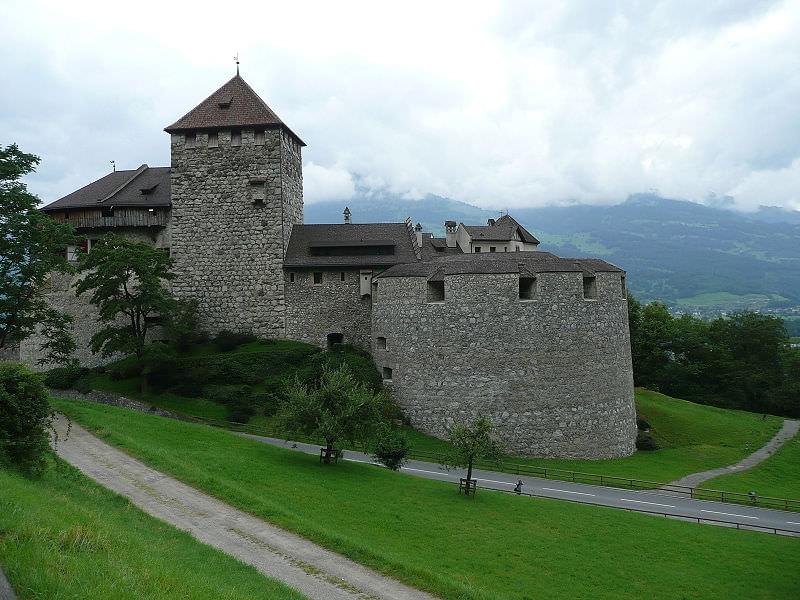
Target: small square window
{"x": 291, "y": 277}
{"x": 492, "y": 248}
{"x": 590, "y": 287}
{"x": 236, "y": 137}
{"x": 317, "y": 277}
{"x": 477, "y": 249}
{"x": 258, "y": 193}
{"x": 213, "y": 140}
{"x": 380, "y": 343}
{"x": 527, "y": 288}
{"x": 259, "y": 138}
{"x": 387, "y": 374}
{"x": 342, "y": 276}
{"x": 191, "y": 140}
{"x": 108, "y": 211}
{"x": 435, "y": 291}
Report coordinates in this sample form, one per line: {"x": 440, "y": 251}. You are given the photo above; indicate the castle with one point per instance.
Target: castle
{"x": 477, "y": 322}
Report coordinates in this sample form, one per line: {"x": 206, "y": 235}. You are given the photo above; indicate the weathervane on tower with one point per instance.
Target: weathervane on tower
{"x": 236, "y": 60}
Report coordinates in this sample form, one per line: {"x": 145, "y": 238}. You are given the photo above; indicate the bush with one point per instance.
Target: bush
{"x": 642, "y": 425}
{"x": 359, "y": 362}
{"x": 227, "y": 394}
{"x": 240, "y": 411}
{"x": 126, "y": 368}
{"x": 158, "y": 367}
{"x": 83, "y": 385}
{"x": 230, "y": 340}
{"x": 266, "y": 403}
{"x": 645, "y": 441}
{"x": 64, "y": 378}
{"x": 391, "y": 449}
{"x": 26, "y": 419}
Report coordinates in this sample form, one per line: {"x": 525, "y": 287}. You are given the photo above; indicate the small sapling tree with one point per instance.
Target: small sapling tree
{"x": 391, "y": 448}
{"x": 338, "y": 409}
{"x": 473, "y": 442}
{"x": 126, "y": 282}
{"x": 32, "y": 245}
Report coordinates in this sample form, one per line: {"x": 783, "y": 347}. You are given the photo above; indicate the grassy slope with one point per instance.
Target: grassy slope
{"x": 63, "y": 536}
{"x": 778, "y": 476}
{"x": 497, "y": 546}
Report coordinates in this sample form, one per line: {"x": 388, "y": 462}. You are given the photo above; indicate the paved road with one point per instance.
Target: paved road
{"x": 314, "y": 571}
{"x": 787, "y": 432}
{"x": 655, "y": 501}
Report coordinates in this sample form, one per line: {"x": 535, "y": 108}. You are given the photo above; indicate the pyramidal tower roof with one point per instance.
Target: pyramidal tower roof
{"x": 235, "y": 104}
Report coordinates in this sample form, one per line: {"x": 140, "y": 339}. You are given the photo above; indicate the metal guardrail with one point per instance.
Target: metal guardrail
{"x": 513, "y": 468}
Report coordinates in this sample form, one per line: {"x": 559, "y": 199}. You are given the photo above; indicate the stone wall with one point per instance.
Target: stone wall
{"x": 554, "y": 373}
{"x": 334, "y": 306}
{"x": 232, "y": 212}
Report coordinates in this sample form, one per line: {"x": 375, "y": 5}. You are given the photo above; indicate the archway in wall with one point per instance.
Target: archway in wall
{"x": 333, "y": 339}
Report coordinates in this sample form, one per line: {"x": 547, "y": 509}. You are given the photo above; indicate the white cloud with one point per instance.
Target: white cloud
{"x": 497, "y": 103}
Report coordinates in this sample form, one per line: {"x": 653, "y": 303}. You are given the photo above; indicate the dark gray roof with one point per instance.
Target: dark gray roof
{"x": 305, "y": 237}
{"x": 433, "y": 247}
{"x": 122, "y": 188}
{"x": 506, "y": 262}
{"x": 235, "y": 104}
{"x": 502, "y": 230}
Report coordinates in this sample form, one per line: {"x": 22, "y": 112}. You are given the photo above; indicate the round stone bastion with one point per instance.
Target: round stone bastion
{"x": 545, "y": 355}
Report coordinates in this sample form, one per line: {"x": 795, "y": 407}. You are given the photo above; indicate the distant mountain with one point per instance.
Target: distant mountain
{"x": 687, "y": 254}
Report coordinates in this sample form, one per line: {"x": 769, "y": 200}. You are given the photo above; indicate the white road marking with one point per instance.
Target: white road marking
{"x": 424, "y": 471}
{"x": 493, "y": 481}
{"x": 716, "y": 512}
{"x": 643, "y": 502}
{"x": 567, "y": 492}
{"x": 792, "y": 523}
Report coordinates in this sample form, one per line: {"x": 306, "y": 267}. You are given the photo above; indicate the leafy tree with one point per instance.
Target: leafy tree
{"x": 391, "y": 448}
{"x": 473, "y": 442}
{"x": 59, "y": 344}
{"x": 31, "y": 247}
{"x": 126, "y": 281}
{"x": 26, "y": 419}
{"x": 338, "y": 409}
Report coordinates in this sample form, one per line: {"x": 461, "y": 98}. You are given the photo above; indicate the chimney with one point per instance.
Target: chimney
{"x": 491, "y": 222}
{"x": 450, "y": 228}
{"x": 418, "y": 231}
{"x": 346, "y": 216}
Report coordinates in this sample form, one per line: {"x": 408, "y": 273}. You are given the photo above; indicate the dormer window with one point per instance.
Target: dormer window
{"x": 225, "y": 102}
{"x": 146, "y": 191}
{"x": 236, "y": 137}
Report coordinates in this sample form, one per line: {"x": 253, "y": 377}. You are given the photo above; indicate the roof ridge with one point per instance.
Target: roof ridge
{"x": 125, "y": 183}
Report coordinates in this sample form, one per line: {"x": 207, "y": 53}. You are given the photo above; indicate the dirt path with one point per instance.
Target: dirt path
{"x": 787, "y": 432}
{"x": 304, "y": 566}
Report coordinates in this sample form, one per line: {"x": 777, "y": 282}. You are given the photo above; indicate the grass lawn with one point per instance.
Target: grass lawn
{"x": 62, "y": 536}
{"x": 495, "y": 547}
{"x": 778, "y": 476}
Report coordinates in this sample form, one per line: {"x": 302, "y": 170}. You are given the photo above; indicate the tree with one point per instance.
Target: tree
{"x": 338, "y": 409}
{"x": 32, "y": 245}
{"x": 26, "y": 419}
{"x": 126, "y": 281}
{"x": 391, "y": 448}
{"x": 473, "y": 442}
{"x": 59, "y": 344}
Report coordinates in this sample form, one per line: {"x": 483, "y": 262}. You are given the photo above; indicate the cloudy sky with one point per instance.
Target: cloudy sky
{"x": 499, "y": 104}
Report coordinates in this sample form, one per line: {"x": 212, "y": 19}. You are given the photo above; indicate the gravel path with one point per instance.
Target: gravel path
{"x": 302, "y": 565}
{"x": 787, "y": 432}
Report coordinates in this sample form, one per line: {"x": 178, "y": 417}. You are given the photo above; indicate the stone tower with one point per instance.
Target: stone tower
{"x": 237, "y": 190}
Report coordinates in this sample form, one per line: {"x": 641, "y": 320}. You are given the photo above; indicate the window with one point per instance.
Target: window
{"x": 213, "y": 140}
{"x": 291, "y": 277}
{"x": 624, "y": 287}
{"x": 71, "y": 256}
{"x": 191, "y": 140}
{"x": 259, "y": 137}
{"x": 107, "y": 211}
{"x": 517, "y": 249}
{"x": 236, "y": 137}
{"x": 435, "y": 291}
{"x": 492, "y": 249}
{"x": 527, "y": 288}
{"x": 258, "y": 192}
{"x": 66, "y": 215}
{"x": 317, "y": 277}
{"x": 477, "y": 248}
{"x": 334, "y": 339}
{"x": 387, "y": 374}
{"x": 590, "y": 287}
{"x": 380, "y": 343}
{"x": 341, "y": 276}
{"x": 505, "y": 248}
{"x": 374, "y": 292}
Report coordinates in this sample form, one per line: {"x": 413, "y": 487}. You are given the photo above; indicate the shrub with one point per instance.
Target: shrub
{"x": 159, "y": 370}
{"x": 83, "y": 384}
{"x": 64, "y": 378}
{"x": 227, "y": 394}
{"x": 645, "y": 441}
{"x": 240, "y": 410}
{"x": 266, "y": 403}
{"x": 642, "y": 425}
{"x": 230, "y": 340}
{"x": 26, "y": 419}
{"x": 125, "y": 368}
{"x": 391, "y": 449}
{"x": 358, "y": 361}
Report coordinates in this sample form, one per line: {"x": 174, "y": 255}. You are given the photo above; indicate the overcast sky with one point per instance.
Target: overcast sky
{"x": 499, "y": 104}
